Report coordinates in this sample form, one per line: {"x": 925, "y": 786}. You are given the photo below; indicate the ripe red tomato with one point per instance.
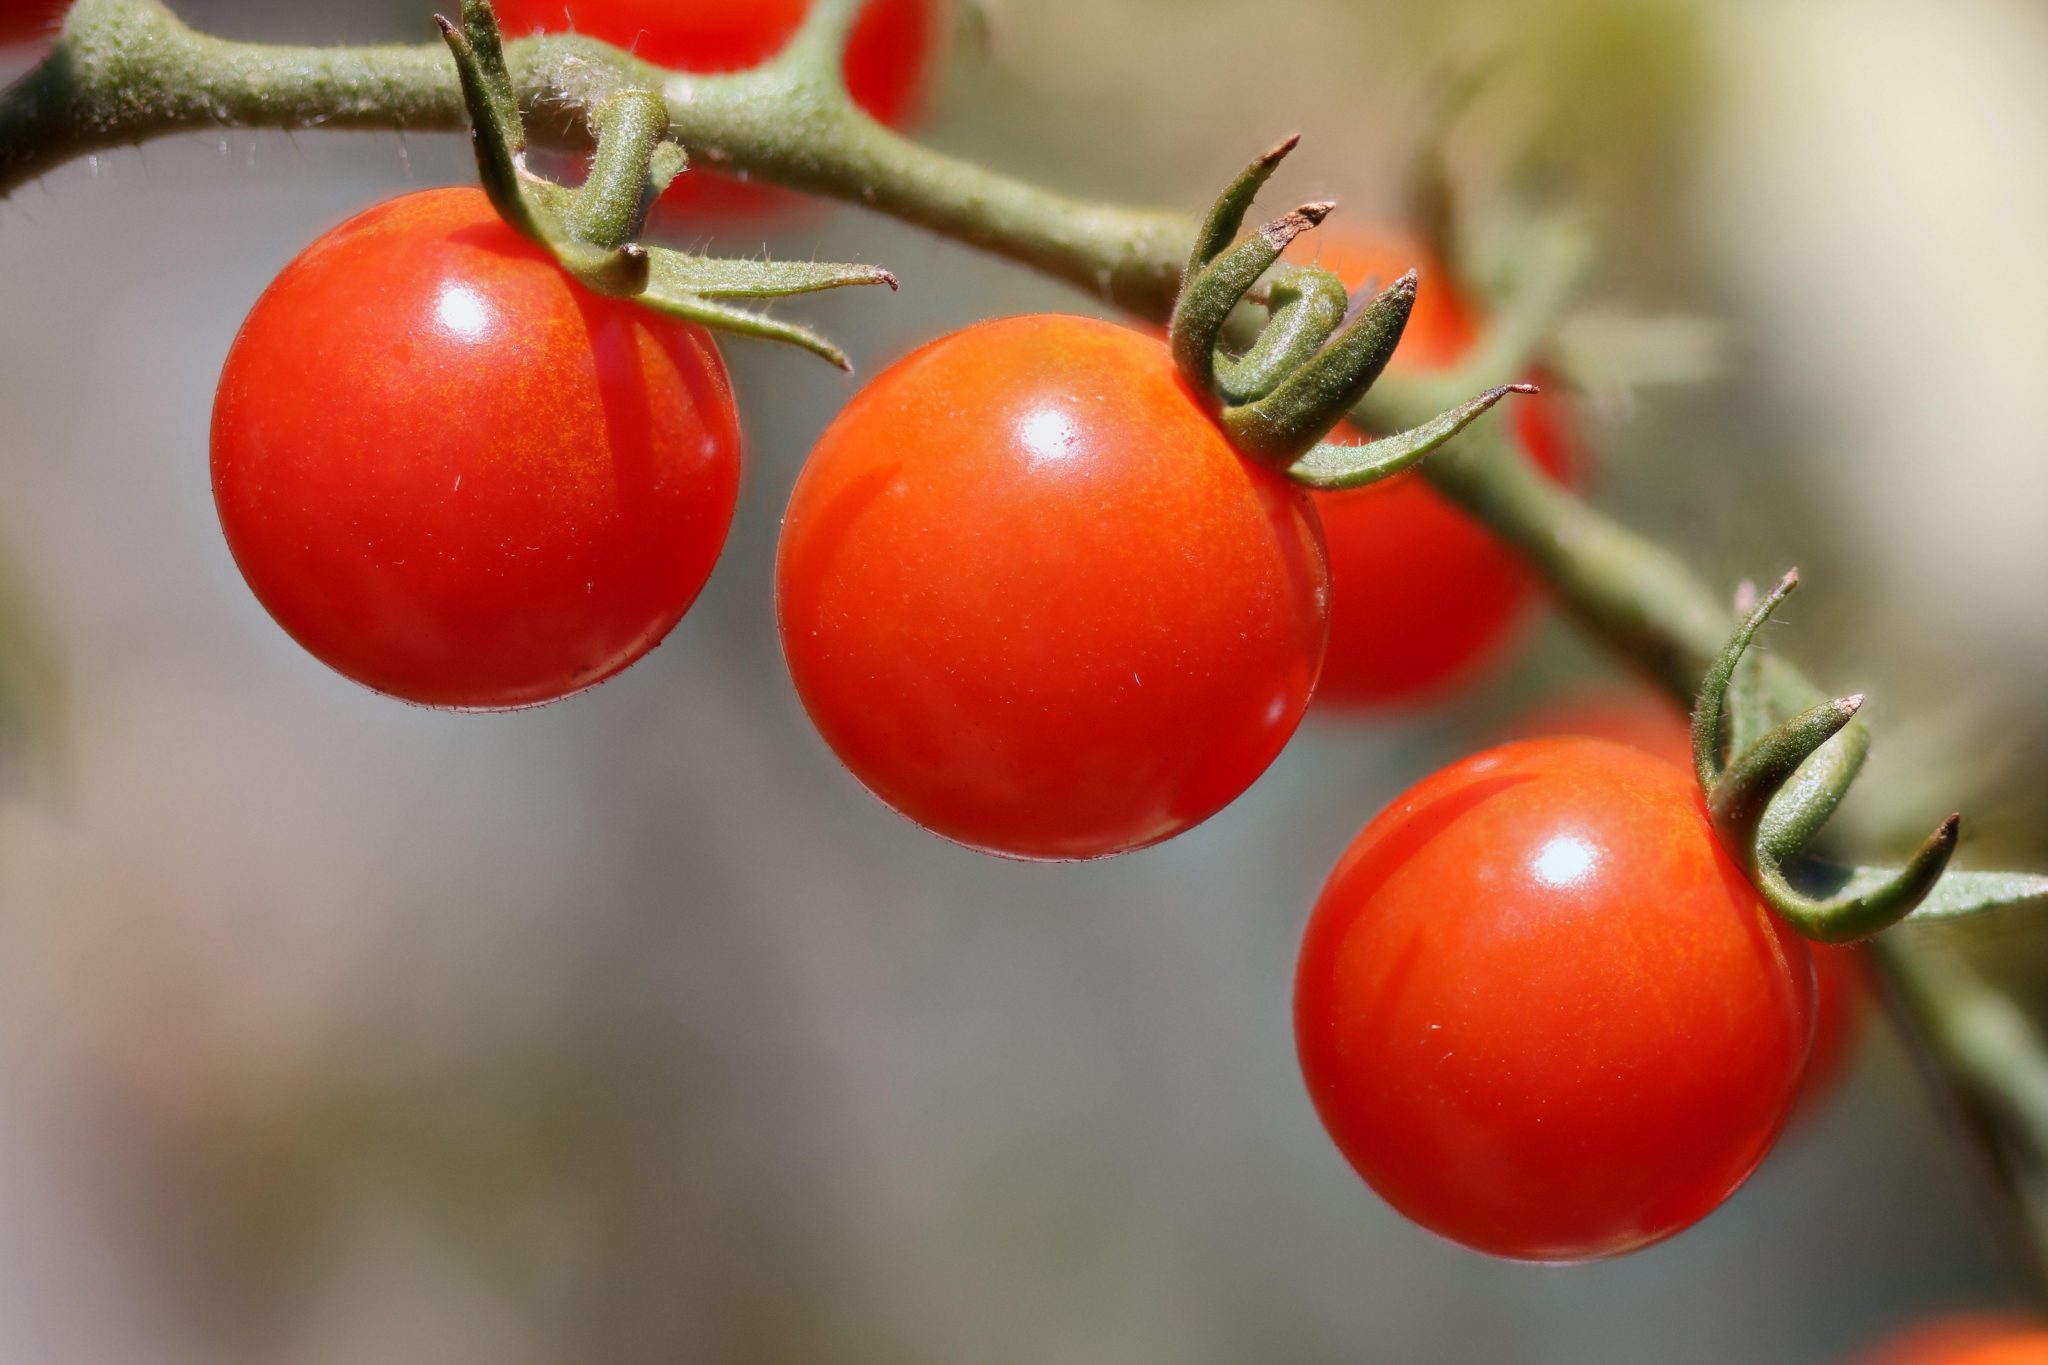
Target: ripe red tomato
{"x": 457, "y": 476}
{"x": 1422, "y": 597}
{"x": 1036, "y": 602}
{"x": 888, "y": 57}
{"x": 1982, "y": 1340}
{"x": 1541, "y": 1011}
{"x": 1652, "y": 723}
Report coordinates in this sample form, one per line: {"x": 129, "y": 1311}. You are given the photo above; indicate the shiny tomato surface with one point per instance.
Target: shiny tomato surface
{"x": 1423, "y": 599}
{"x": 1036, "y": 602}
{"x": 458, "y": 477}
{"x": 1541, "y": 1012}
{"x": 888, "y": 60}
{"x": 1655, "y": 725}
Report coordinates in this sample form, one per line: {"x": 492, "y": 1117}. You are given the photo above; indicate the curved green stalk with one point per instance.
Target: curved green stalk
{"x": 127, "y": 70}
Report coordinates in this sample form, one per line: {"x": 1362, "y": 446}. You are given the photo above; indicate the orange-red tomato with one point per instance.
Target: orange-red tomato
{"x": 888, "y": 57}
{"x": 1540, "y": 1010}
{"x": 1422, "y": 597}
{"x": 1980, "y": 1340}
{"x": 459, "y": 477}
{"x": 1652, "y": 723}
{"x": 1036, "y": 602}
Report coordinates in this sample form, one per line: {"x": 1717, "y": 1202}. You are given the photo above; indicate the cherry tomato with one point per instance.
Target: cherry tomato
{"x": 1423, "y": 599}
{"x": 1653, "y": 724}
{"x": 888, "y": 57}
{"x": 1036, "y": 602}
{"x": 458, "y": 477}
{"x": 1979, "y": 1340}
{"x": 1540, "y": 1010}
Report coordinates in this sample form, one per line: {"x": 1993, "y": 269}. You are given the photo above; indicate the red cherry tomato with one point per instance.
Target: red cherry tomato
{"x": 887, "y": 60}
{"x": 1981, "y": 1340}
{"x": 1036, "y": 602}
{"x": 1540, "y": 1010}
{"x": 1422, "y": 597}
{"x": 457, "y": 476}
{"x": 1651, "y": 723}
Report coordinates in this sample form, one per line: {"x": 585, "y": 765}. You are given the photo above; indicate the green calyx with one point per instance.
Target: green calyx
{"x": 594, "y": 231}
{"x": 1315, "y": 358}
{"x": 1303, "y": 307}
{"x": 1770, "y": 800}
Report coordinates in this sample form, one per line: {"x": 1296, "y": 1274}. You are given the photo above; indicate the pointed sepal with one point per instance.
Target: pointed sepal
{"x": 1749, "y": 713}
{"x": 1226, "y": 216}
{"x": 1956, "y": 895}
{"x": 1331, "y": 467}
{"x": 716, "y": 277}
{"x": 593, "y": 231}
{"x": 1709, "y": 711}
{"x": 1770, "y": 800}
{"x": 1873, "y": 902}
{"x": 696, "y": 288}
{"x": 1322, "y": 391}
{"x": 1737, "y": 799}
{"x": 1210, "y": 296}
{"x": 495, "y": 129}
{"x": 1306, "y": 305}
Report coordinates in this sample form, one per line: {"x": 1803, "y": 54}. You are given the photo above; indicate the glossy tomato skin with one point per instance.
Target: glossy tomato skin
{"x": 1652, "y": 723}
{"x": 458, "y": 477}
{"x": 1423, "y": 599}
{"x": 1036, "y": 602}
{"x": 888, "y": 59}
{"x": 1540, "y": 1010}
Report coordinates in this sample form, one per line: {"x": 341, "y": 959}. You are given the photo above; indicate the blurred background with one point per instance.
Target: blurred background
{"x": 630, "y": 1030}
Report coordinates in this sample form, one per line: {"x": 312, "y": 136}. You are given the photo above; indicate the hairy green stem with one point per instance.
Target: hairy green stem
{"x": 127, "y": 70}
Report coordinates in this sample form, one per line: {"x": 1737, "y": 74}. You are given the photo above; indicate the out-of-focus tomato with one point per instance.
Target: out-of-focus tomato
{"x": 1976, "y": 1340}
{"x": 1423, "y": 599}
{"x": 888, "y": 61}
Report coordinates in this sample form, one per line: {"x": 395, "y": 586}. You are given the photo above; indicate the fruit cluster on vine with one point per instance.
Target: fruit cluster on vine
{"x": 1058, "y": 588}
